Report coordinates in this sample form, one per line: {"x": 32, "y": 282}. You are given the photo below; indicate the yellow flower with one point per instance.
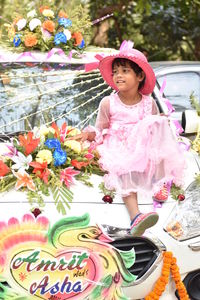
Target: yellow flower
{"x": 196, "y": 147}
{"x": 44, "y": 156}
{"x": 11, "y": 31}
{"x": 73, "y": 131}
{"x": 74, "y": 145}
{"x": 48, "y": 13}
{"x": 196, "y": 143}
{"x": 44, "y": 130}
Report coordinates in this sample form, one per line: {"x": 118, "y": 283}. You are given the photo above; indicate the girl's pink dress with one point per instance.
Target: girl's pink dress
{"x": 137, "y": 148}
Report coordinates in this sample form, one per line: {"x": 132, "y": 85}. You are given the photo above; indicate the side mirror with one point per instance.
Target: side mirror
{"x": 190, "y": 121}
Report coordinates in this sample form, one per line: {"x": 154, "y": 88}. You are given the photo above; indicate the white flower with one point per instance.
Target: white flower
{"x": 21, "y": 24}
{"x": 32, "y": 13}
{"x": 21, "y": 162}
{"x": 36, "y": 132}
{"x": 67, "y": 33}
{"x": 34, "y": 23}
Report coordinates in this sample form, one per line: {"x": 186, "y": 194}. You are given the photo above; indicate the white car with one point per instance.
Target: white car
{"x": 36, "y": 92}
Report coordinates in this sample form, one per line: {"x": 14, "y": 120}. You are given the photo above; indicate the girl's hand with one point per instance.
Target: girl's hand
{"x": 83, "y": 136}
{"x": 163, "y": 115}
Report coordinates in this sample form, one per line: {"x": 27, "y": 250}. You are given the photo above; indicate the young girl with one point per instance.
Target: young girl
{"x": 136, "y": 145}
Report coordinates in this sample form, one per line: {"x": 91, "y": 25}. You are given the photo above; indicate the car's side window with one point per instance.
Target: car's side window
{"x": 179, "y": 87}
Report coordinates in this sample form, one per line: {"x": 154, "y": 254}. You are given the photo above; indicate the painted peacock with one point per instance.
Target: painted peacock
{"x": 99, "y": 275}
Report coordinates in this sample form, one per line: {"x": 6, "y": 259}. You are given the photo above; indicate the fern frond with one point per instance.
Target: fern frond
{"x": 62, "y": 197}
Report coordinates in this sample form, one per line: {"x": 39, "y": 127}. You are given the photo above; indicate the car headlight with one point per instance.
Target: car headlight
{"x": 184, "y": 220}
{"x": 190, "y": 121}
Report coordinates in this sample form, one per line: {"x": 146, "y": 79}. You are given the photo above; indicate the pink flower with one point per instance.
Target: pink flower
{"x": 92, "y": 147}
{"x": 89, "y": 156}
{"x": 67, "y": 175}
{"x": 13, "y": 151}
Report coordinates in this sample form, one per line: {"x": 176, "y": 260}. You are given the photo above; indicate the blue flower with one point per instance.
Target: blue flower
{"x": 82, "y": 44}
{"x": 60, "y": 157}
{"x": 17, "y": 40}
{"x": 65, "y": 22}
{"x": 53, "y": 144}
{"x": 60, "y": 38}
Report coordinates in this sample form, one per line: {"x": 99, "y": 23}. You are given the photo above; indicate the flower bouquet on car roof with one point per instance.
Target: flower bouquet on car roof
{"x": 46, "y": 28}
{"x": 46, "y": 160}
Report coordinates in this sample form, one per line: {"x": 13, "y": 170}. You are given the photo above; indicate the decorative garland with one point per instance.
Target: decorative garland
{"x": 169, "y": 265}
{"x": 46, "y": 27}
{"x": 45, "y": 160}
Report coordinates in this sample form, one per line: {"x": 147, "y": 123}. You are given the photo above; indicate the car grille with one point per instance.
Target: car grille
{"x": 146, "y": 253}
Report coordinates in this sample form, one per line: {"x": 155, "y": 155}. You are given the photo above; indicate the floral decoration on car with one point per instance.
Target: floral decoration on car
{"x": 196, "y": 142}
{"x": 47, "y": 160}
{"x": 47, "y": 28}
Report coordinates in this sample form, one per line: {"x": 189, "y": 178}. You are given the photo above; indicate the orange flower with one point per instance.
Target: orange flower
{"x": 167, "y": 254}
{"x": 78, "y": 38}
{"x": 30, "y": 40}
{"x": 78, "y": 164}
{"x": 3, "y": 169}
{"x": 43, "y": 8}
{"x": 62, "y": 14}
{"x": 57, "y": 130}
{"x": 24, "y": 180}
{"x": 41, "y": 170}
{"x": 169, "y": 263}
{"x": 49, "y": 25}
{"x": 28, "y": 143}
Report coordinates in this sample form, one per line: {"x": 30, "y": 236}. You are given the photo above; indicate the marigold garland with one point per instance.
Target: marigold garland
{"x": 169, "y": 265}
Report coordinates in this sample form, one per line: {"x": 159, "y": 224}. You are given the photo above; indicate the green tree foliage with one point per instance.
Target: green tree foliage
{"x": 166, "y": 29}
{"x": 173, "y": 26}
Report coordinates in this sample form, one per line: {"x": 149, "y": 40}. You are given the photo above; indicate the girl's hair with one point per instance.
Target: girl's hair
{"x": 123, "y": 61}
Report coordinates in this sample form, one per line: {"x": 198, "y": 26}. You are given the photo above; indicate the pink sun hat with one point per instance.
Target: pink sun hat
{"x": 127, "y": 51}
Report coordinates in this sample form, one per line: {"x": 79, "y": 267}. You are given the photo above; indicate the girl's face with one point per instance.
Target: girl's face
{"x": 125, "y": 78}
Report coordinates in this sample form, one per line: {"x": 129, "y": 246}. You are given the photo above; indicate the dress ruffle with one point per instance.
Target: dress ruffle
{"x": 141, "y": 156}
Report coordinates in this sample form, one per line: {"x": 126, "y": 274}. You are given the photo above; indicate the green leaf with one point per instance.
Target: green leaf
{"x": 62, "y": 197}
{"x": 7, "y": 183}
{"x": 105, "y": 191}
{"x": 195, "y": 103}
{"x": 35, "y": 197}
{"x": 175, "y": 191}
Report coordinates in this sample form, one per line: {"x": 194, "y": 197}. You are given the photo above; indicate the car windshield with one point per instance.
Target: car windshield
{"x": 33, "y": 94}
{"x": 180, "y": 87}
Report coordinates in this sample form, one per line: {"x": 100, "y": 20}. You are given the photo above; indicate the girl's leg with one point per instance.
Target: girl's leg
{"x": 139, "y": 222}
{"x": 131, "y": 205}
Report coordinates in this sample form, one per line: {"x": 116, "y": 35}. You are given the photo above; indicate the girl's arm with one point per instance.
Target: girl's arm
{"x": 91, "y": 133}
{"x": 103, "y": 116}
{"x": 155, "y": 110}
